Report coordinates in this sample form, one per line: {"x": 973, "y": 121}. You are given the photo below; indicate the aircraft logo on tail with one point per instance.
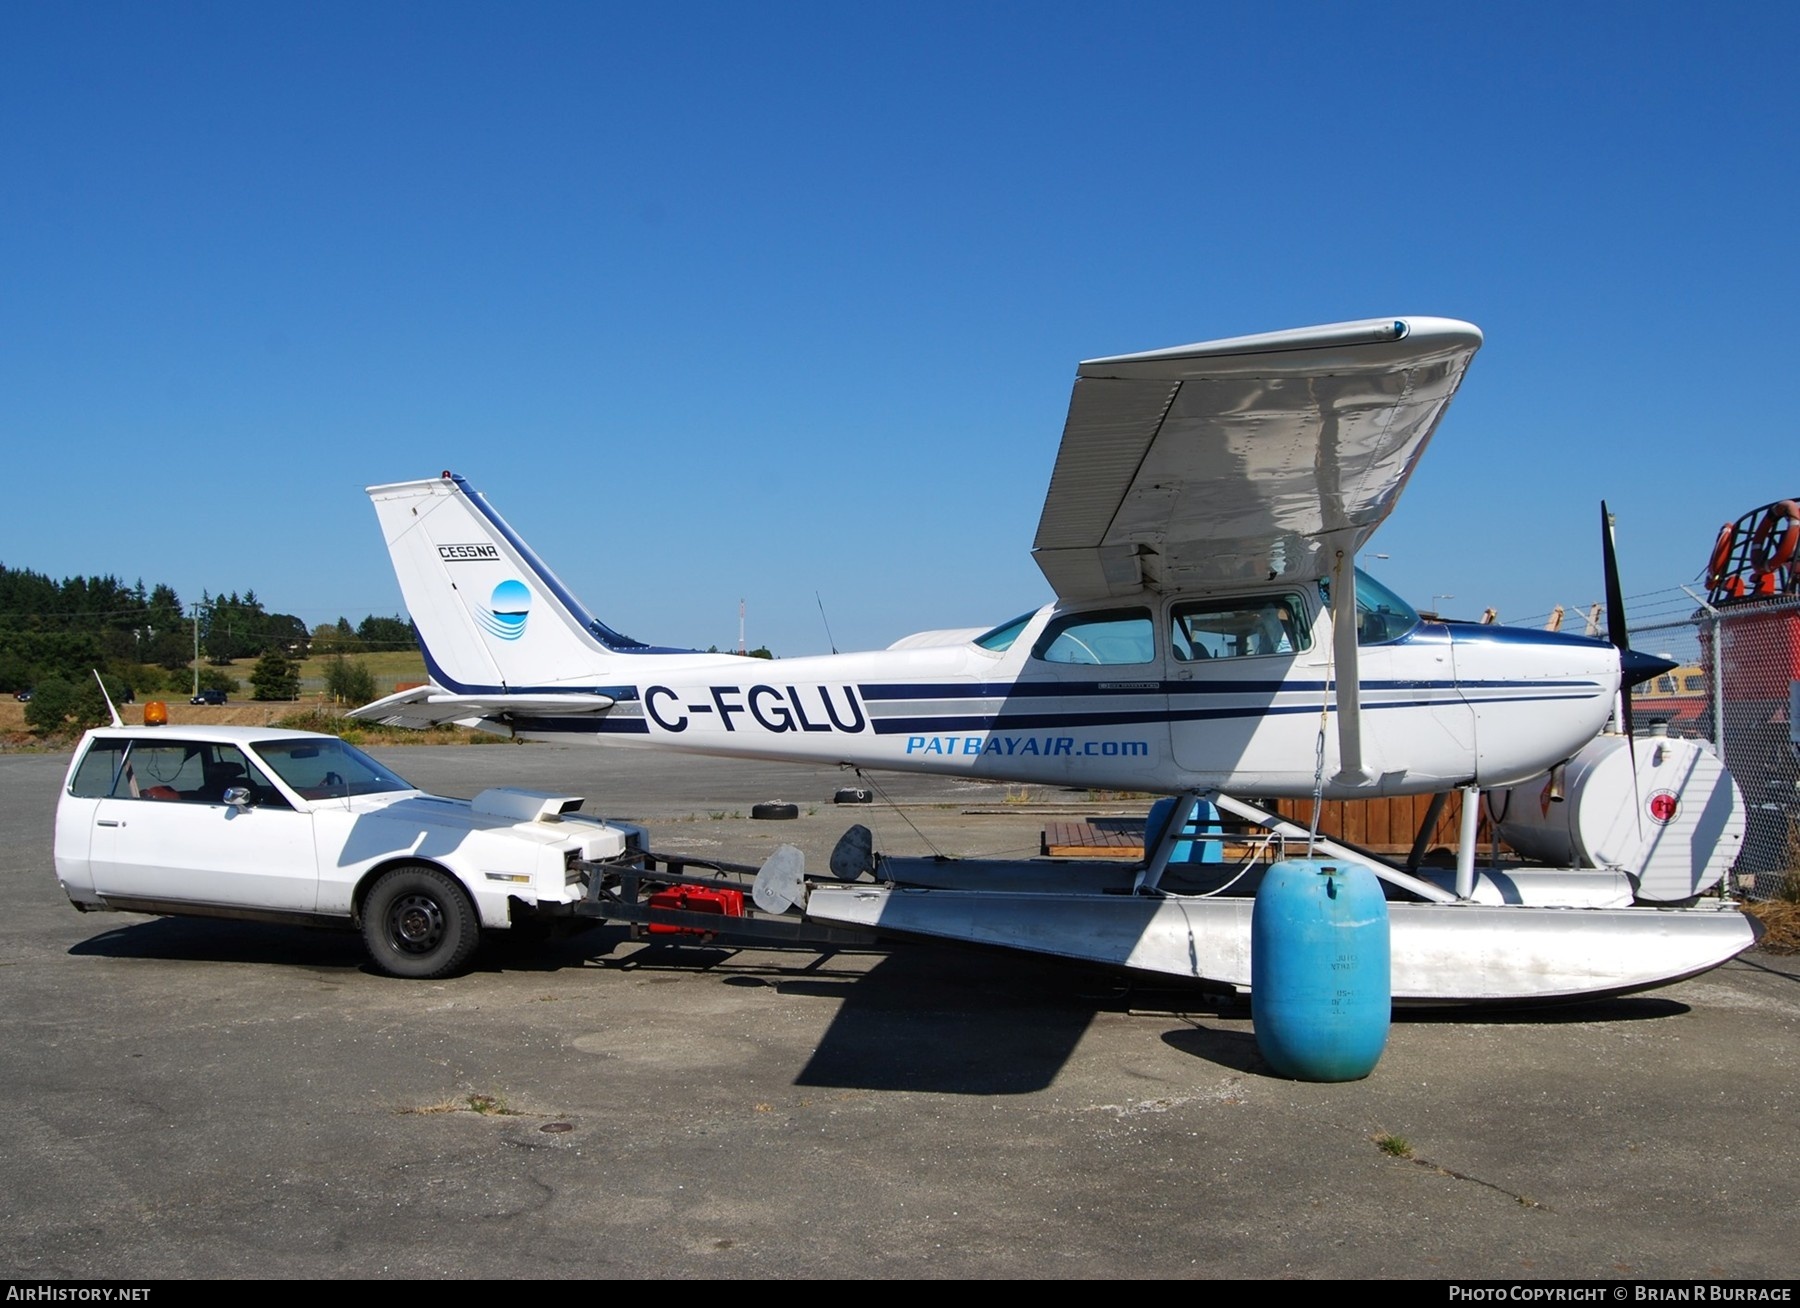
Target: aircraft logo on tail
{"x": 507, "y": 610}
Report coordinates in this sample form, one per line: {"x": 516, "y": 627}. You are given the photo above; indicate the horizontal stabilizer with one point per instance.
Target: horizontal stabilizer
{"x": 430, "y": 706}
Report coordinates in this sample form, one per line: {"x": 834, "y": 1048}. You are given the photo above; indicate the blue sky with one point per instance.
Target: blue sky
{"x": 782, "y": 302}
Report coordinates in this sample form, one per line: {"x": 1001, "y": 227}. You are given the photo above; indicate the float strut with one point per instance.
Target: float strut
{"x": 1465, "y": 842}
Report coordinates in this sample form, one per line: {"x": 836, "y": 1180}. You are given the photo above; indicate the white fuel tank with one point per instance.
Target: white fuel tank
{"x": 1676, "y": 831}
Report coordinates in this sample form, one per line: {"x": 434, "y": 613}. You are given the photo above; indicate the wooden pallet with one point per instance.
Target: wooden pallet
{"x": 1381, "y": 826}
{"x": 1121, "y": 837}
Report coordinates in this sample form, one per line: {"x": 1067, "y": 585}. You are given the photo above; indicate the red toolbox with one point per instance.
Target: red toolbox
{"x": 695, "y": 899}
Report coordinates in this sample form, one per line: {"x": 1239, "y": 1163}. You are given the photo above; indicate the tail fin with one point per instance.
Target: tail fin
{"x": 490, "y": 616}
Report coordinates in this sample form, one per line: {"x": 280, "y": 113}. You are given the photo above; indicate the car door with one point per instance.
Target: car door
{"x": 90, "y": 780}
{"x": 166, "y": 835}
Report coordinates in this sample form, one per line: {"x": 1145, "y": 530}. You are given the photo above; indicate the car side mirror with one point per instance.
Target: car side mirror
{"x": 238, "y": 796}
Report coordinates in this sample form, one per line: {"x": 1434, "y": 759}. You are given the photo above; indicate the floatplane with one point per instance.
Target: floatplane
{"x": 1211, "y": 638}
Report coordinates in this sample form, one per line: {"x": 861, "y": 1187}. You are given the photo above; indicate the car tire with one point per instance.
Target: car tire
{"x": 775, "y": 811}
{"x": 417, "y": 923}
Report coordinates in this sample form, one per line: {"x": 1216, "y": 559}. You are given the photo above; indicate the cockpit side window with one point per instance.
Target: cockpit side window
{"x": 1241, "y": 627}
{"x": 1114, "y": 636}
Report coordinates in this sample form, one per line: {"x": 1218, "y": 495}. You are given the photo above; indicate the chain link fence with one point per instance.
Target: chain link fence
{"x": 1738, "y": 686}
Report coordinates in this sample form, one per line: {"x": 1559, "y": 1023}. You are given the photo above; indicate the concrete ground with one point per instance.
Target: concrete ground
{"x": 197, "y": 1099}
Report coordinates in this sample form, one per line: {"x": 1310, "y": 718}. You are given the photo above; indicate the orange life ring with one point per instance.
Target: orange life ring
{"x": 1721, "y": 555}
{"x": 1767, "y": 552}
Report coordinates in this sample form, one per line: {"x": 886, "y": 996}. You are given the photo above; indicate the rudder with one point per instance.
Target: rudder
{"x": 490, "y": 615}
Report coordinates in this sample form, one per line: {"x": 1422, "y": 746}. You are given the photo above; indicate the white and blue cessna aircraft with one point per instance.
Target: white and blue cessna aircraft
{"x": 1200, "y": 534}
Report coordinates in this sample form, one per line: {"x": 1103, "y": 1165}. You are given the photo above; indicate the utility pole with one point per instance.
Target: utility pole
{"x": 196, "y": 613}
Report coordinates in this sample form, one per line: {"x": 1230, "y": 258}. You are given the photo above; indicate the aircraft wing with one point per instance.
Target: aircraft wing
{"x": 427, "y": 706}
{"x": 1243, "y": 460}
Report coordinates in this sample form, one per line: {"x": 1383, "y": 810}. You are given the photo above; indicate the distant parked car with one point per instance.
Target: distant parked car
{"x": 23, "y": 696}
{"x": 209, "y": 696}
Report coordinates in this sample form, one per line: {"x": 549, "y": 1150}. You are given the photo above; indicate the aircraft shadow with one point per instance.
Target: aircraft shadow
{"x": 926, "y": 1017}
{"x": 960, "y": 1020}
{"x": 929, "y": 1017}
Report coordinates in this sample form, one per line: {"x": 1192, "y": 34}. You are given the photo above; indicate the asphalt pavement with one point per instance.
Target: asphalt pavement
{"x": 207, "y": 1099}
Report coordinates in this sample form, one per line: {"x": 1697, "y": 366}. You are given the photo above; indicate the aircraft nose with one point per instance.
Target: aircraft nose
{"x": 1636, "y": 668}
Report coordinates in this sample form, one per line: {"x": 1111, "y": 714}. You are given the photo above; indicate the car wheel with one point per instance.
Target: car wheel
{"x": 418, "y": 923}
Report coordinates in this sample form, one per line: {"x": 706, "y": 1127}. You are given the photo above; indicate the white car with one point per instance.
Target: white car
{"x": 293, "y": 826}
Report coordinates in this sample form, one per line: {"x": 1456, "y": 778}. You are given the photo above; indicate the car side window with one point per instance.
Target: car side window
{"x": 191, "y": 772}
{"x": 166, "y": 770}
{"x": 1116, "y": 636}
{"x": 100, "y": 770}
{"x": 1242, "y": 627}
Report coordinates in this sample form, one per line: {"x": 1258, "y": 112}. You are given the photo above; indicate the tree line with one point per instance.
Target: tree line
{"x": 145, "y": 638}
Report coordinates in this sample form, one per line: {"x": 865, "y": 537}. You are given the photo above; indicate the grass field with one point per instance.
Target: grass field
{"x": 390, "y": 669}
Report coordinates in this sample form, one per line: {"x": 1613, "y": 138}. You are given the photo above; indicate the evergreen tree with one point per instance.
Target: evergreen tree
{"x": 275, "y": 676}
{"x": 168, "y": 640}
{"x": 386, "y": 633}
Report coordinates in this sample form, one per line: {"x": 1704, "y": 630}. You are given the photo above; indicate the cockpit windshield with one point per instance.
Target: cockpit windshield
{"x": 1000, "y": 639}
{"x": 1381, "y": 615}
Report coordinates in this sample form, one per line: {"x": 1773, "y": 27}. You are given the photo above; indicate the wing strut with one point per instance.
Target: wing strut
{"x": 1345, "y": 683}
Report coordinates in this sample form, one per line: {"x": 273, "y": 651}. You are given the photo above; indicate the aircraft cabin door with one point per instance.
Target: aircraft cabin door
{"x": 1089, "y": 707}
{"x": 1246, "y": 676}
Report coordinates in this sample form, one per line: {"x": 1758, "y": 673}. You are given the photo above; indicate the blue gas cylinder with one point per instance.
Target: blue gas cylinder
{"x": 1321, "y": 993}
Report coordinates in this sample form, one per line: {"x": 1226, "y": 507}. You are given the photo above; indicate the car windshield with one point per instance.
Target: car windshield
{"x": 328, "y": 769}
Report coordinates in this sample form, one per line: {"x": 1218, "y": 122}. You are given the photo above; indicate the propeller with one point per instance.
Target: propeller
{"x": 1634, "y": 668}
